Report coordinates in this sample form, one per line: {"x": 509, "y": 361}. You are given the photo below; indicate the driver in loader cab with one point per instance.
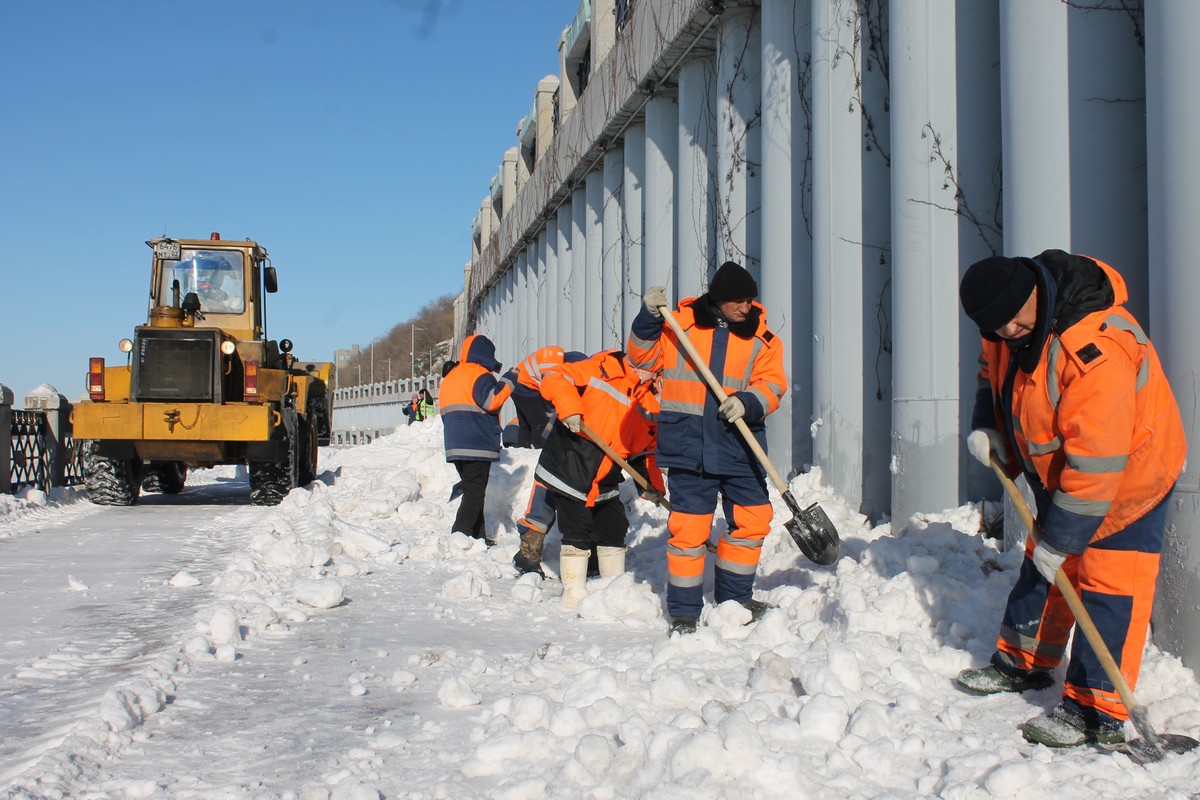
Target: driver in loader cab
{"x": 217, "y": 282}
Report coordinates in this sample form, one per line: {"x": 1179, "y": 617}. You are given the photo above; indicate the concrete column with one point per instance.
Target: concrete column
{"x": 566, "y": 93}
{"x": 58, "y": 419}
{"x": 785, "y": 287}
{"x": 6, "y": 401}
{"x": 487, "y": 223}
{"x": 613, "y": 324}
{"x": 546, "y": 88}
{"x": 543, "y": 295}
{"x": 1172, "y": 119}
{"x": 837, "y": 294}
{"x": 738, "y": 223}
{"x": 594, "y": 271}
{"x": 579, "y": 259}
{"x": 522, "y": 308}
{"x": 662, "y": 158}
{"x": 604, "y": 29}
{"x": 1035, "y": 126}
{"x": 925, "y": 433}
{"x": 508, "y": 177}
{"x": 565, "y": 275}
{"x": 633, "y": 219}
{"x": 694, "y": 180}
{"x": 1106, "y": 77}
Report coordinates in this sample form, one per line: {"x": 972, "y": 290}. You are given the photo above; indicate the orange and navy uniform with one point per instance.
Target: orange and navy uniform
{"x": 706, "y": 456}
{"x": 618, "y": 408}
{"x": 470, "y": 400}
{"x": 533, "y": 368}
{"x": 1099, "y": 436}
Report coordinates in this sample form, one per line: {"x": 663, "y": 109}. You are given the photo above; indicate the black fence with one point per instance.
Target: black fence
{"x": 33, "y": 453}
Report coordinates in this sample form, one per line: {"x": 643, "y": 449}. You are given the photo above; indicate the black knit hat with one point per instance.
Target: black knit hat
{"x": 994, "y": 290}
{"x": 732, "y": 282}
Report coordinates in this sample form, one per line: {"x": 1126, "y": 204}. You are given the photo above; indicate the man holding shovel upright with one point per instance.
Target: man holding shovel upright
{"x": 704, "y": 454}
{"x": 1072, "y": 394}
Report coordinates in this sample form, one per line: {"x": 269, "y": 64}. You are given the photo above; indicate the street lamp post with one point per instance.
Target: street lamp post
{"x": 389, "y": 363}
{"x": 412, "y": 343}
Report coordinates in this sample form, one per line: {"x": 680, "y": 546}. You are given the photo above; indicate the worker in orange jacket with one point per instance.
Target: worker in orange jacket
{"x": 611, "y": 397}
{"x": 534, "y": 412}
{"x": 1072, "y": 394}
{"x": 703, "y": 452}
{"x": 470, "y": 399}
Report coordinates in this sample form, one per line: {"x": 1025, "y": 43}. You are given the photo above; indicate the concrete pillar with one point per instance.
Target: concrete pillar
{"x": 543, "y": 294}
{"x": 785, "y": 287}
{"x": 564, "y": 275}
{"x": 1172, "y": 119}
{"x": 546, "y": 89}
{"x": 737, "y": 191}
{"x": 633, "y": 220}
{"x": 593, "y": 232}
{"x": 508, "y": 177}
{"x": 604, "y": 29}
{"x": 1106, "y": 77}
{"x": 487, "y": 223}
{"x": 662, "y": 158}
{"x": 613, "y": 324}
{"x": 566, "y": 90}
{"x": 925, "y": 433}
{"x": 521, "y": 309}
{"x": 1035, "y": 126}
{"x": 579, "y": 258}
{"x": 6, "y": 401}
{"x": 837, "y": 294}
{"x": 58, "y": 419}
{"x": 694, "y": 179}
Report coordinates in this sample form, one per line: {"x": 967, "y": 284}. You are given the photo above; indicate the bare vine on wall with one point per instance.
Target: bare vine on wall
{"x": 1135, "y": 10}
{"x": 740, "y": 132}
{"x": 990, "y": 227}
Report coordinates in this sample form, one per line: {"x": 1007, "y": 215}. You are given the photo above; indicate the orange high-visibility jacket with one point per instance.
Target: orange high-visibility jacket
{"x": 615, "y": 406}
{"x": 534, "y": 366}
{"x": 1095, "y": 421}
{"x": 748, "y": 363}
{"x": 470, "y": 399}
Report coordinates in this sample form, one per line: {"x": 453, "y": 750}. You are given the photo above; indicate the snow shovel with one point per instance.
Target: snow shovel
{"x": 810, "y": 528}
{"x": 1152, "y": 746}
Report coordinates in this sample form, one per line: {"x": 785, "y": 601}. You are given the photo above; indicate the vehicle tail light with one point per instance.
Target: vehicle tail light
{"x": 250, "y": 390}
{"x": 96, "y": 378}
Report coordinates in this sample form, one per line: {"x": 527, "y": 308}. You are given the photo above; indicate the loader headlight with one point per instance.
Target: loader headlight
{"x": 126, "y": 345}
{"x": 227, "y": 347}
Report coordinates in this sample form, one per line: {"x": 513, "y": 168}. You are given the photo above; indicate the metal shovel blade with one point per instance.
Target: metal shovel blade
{"x": 814, "y": 534}
{"x": 1145, "y": 751}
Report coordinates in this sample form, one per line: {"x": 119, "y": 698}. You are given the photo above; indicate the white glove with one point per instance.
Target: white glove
{"x": 655, "y": 298}
{"x": 1048, "y": 560}
{"x": 573, "y": 422}
{"x": 732, "y": 409}
{"x": 982, "y": 442}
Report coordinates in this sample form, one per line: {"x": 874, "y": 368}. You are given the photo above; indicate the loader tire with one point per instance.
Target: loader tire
{"x": 111, "y": 481}
{"x": 308, "y": 452}
{"x": 270, "y": 481}
{"x": 164, "y": 477}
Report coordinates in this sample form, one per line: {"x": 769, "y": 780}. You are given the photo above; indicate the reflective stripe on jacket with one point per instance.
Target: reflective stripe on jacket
{"x": 470, "y": 400}
{"x": 690, "y": 434}
{"x": 1095, "y": 422}
{"x": 534, "y": 367}
{"x": 617, "y": 408}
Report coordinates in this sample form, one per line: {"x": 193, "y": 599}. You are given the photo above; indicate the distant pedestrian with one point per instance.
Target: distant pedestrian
{"x": 1072, "y": 394}
{"x": 420, "y": 408}
{"x": 470, "y": 400}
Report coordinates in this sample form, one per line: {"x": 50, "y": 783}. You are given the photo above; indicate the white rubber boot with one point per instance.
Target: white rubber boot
{"x": 611, "y": 560}
{"x": 572, "y": 571}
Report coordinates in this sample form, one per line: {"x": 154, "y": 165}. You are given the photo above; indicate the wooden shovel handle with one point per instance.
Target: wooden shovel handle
{"x": 638, "y": 478}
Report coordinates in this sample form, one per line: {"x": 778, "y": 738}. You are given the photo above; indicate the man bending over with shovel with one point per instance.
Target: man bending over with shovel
{"x": 1072, "y": 394}
{"x": 698, "y": 444}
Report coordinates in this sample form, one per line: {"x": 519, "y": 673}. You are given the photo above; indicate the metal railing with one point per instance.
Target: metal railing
{"x": 33, "y": 453}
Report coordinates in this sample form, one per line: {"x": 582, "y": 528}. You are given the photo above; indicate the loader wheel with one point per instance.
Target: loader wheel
{"x": 308, "y": 452}
{"x": 165, "y": 477}
{"x": 109, "y": 481}
{"x": 270, "y": 481}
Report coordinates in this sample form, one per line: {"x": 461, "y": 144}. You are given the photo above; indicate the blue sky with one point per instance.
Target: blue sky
{"x": 354, "y": 139}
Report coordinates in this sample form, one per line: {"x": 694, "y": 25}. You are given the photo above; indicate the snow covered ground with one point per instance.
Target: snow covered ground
{"x": 345, "y": 645}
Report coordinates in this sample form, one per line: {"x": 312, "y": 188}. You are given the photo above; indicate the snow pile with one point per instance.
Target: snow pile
{"x": 382, "y": 655}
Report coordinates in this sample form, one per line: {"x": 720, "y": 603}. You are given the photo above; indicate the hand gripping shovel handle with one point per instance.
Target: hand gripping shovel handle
{"x": 1151, "y": 746}
{"x": 810, "y": 528}
{"x": 638, "y": 478}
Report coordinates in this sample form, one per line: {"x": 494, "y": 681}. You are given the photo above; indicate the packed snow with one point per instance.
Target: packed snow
{"x": 345, "y": 644}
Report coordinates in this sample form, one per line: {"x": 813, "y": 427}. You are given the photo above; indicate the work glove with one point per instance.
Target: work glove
{"x": 1048, "y": 560}
{"x": 573, "y": 422}
{"x": 982, "y": 442}
{"x": 655, "y": 298}
{"x": 653, "y": 495}
{"x": 732, "y": 409}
